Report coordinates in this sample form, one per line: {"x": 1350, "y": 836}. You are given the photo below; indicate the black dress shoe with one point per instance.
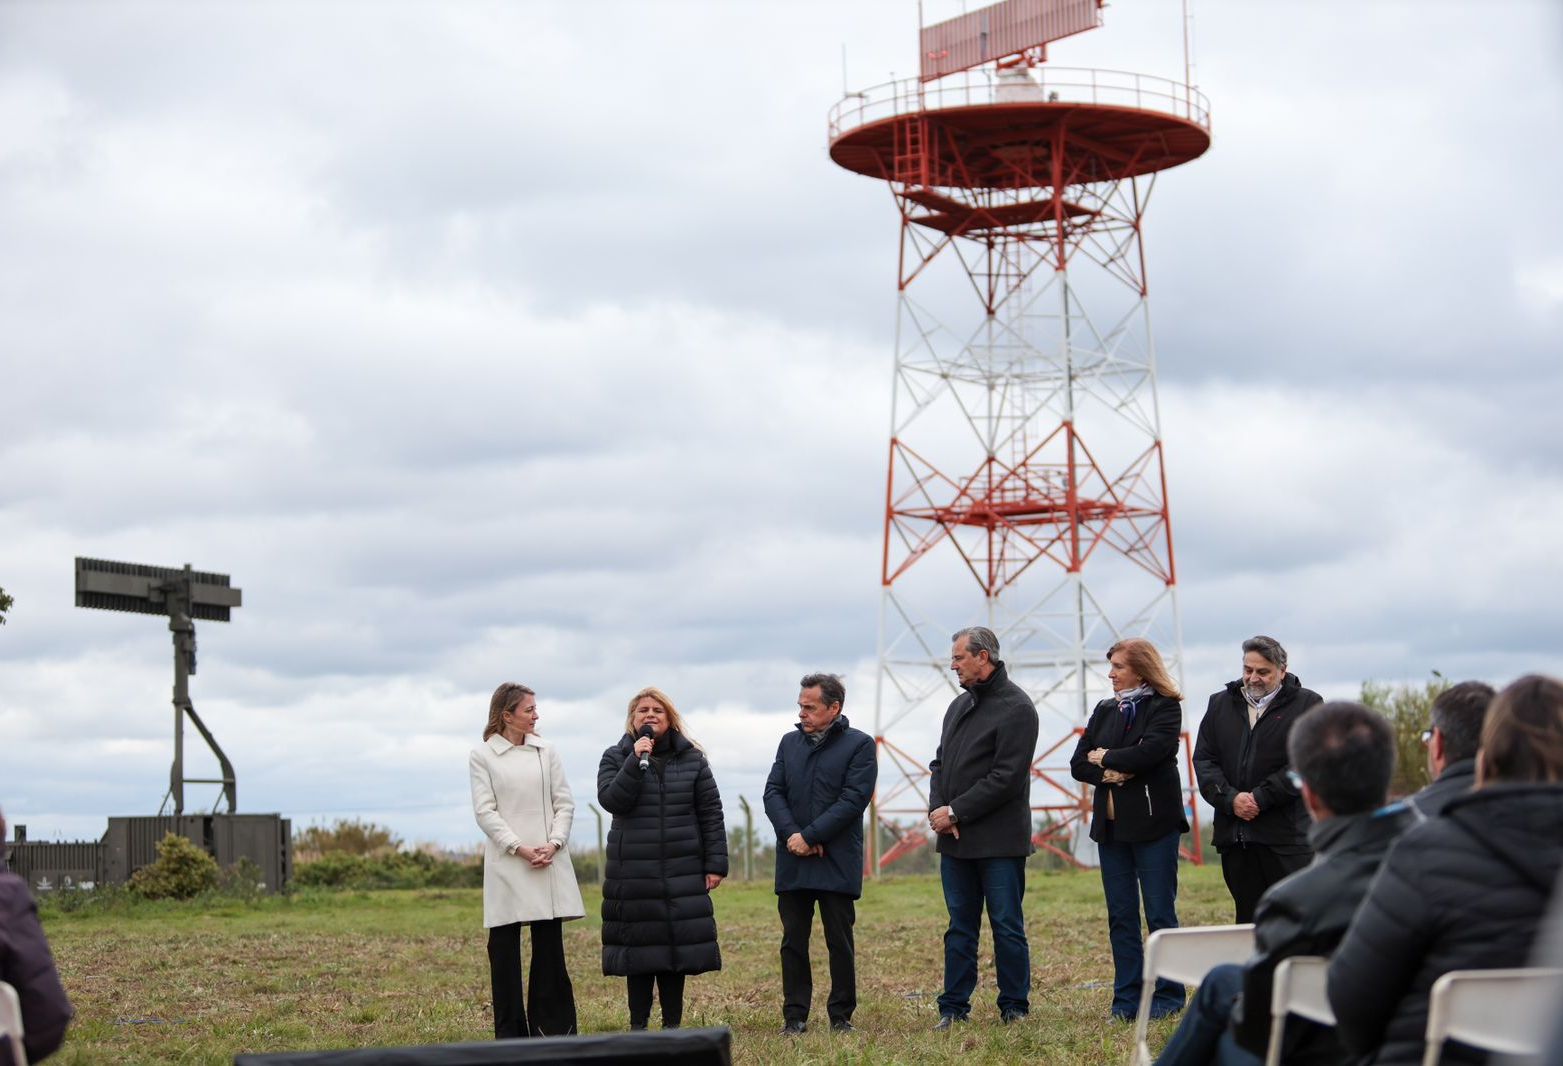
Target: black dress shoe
{"x": 842, "y": 1025}
{"x": 1012, "y": 1016}
{"x": 948, "y": 1022}
{"x": 795, "y": 1028}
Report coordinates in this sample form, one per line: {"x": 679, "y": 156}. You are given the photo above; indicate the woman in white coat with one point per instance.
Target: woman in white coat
{"x": 523, "y": 804}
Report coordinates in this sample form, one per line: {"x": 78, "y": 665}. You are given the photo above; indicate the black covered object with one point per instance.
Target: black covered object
{"x": 688, "y": 1047}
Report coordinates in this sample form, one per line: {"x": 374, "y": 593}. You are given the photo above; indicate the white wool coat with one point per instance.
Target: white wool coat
{"x": 520, "y": 796}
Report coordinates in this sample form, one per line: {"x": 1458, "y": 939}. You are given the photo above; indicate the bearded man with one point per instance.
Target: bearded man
{"x": 1240, "y": 760}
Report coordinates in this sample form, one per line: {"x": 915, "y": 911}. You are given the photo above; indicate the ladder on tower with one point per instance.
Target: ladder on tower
{"x": 911, "y": 151}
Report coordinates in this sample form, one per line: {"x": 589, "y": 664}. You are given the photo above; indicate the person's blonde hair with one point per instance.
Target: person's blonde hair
{"x": 506, "y": 699}
{"x": 1145, "y": 660}
{"x": 675, "y": 722}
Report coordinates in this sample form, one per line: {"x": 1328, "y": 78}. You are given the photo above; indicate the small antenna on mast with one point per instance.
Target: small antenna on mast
{"x": 1188, "y": 43}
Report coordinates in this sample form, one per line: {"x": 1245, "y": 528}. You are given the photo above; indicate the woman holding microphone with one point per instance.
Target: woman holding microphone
{"x": 1129, "y": 752}
{"x": 523, "y": 804}
{"x": 667, "y": 849}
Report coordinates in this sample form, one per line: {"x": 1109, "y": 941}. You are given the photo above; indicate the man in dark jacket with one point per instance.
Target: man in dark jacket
{"x": 815, "y": 797}
{"x": 27, "y": 965}
{"x": 1456, "y": 733}
{"x": 1261, "y": 828}
{"x": 1344, "y": 755}
{"x": 979, "y": 798}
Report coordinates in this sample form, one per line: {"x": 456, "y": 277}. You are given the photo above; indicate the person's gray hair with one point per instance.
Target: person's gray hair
{"x": 831, "y": 688}
{"x": 978, "y": 638}
{"x": 1269, "y": 647}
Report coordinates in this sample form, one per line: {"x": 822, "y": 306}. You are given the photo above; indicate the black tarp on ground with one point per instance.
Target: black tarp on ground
{"x": 688, "y": 1047}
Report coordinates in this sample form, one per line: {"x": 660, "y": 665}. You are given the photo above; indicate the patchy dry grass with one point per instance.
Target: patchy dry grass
{"x": 164, "y": 983}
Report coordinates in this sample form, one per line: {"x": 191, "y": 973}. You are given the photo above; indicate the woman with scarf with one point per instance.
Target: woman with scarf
{"x": 1129, "y": 752}
{"x": 667, "y": 849}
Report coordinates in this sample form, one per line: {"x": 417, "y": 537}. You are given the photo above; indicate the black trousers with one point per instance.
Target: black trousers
{"x": 837, "y": 914}
{"x": 1250, "y": 870}
{"x": 670, "y": 989}
{"x": 550, "y": 1001}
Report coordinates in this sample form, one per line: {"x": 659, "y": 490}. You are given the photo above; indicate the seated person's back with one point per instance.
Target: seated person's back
{"x": 27, "y": 965}
{"x": 1465, "y": 890}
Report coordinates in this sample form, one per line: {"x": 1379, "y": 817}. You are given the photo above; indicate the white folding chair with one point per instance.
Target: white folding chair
{"x": 1185, "y": 956}
{"x": 1496, "y": 1010}
{"x": 1299, "y": 990}
{"x": 11, "y": 1023}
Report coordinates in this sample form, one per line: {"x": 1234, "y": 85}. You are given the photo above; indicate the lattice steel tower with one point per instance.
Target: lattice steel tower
{"x": 1025, "y": 441}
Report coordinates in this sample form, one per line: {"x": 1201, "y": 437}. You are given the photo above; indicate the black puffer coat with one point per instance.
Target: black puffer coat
{"x": 1464, "y": 891}
{"x": 1229, "y": 758}
{"x": 1457, "y": 779}
{"x": 667, "y": 834}
{"x": 1150, "y": 804}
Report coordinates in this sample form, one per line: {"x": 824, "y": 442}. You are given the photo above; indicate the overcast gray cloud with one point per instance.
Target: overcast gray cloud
{"x": 512, "y": 341}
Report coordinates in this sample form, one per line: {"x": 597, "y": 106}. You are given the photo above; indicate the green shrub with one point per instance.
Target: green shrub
{"x": 345, "y": 836}
{"x": 181, "y": 870}
{"x": 1409, "y": 709}
{"x": 400, "y": 869}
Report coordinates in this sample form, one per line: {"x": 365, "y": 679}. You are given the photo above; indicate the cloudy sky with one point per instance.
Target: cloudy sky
{"x": 543, "y": 342}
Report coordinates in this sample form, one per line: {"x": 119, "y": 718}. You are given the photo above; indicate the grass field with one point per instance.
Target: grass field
{"x": 164, "y": 982}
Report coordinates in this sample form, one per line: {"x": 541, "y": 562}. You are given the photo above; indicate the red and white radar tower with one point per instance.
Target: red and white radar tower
{"x": 1025, "y": 441}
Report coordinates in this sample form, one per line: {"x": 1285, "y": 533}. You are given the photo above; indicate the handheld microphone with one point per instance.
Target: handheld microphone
{"x": 645, "y": 760}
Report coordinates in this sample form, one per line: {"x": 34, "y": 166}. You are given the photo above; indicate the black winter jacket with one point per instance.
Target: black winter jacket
{"x": 667, "y": 834}
{"x": 1150, "y": 804}
{"x": 1457, "y": 779}
{"x": 983, "y": 769}
{"x": 1230, "y": 758}
{"x": 1464, "y": 891}
{"x": 27, "y": 965}
{"x": 1307, "y": 914}
{"x": 821, "y": 790}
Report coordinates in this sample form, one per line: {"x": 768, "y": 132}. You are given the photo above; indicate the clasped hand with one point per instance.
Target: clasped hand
{"x": 538, "y": 857}
{"x": 1245, "y": 806}
{"x": 802, "y": 849}
{"x": 941, "y": 820}
{"x": 1109, "y": 777}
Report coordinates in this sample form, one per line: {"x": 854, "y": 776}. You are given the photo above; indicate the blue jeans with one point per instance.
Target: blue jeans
{"x": 1203, "y": 1036}
{"x": 1002, "y": 884}
{"x": 1147, "y": 869}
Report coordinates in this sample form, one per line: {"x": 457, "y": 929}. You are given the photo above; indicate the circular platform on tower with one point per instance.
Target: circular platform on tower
{"x": 1018, "y": 130}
